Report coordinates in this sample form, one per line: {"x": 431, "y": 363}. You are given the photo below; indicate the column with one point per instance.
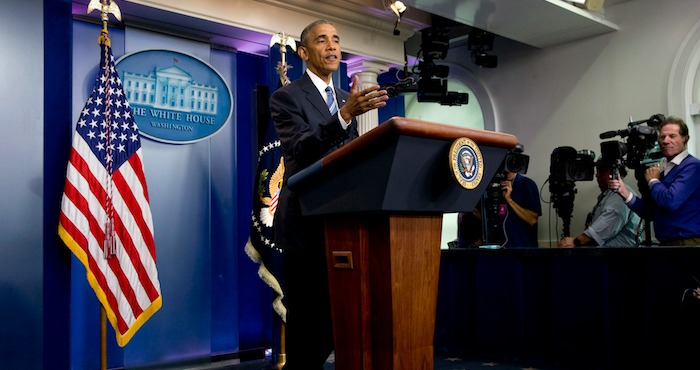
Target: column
{"x": 367, "y": 72}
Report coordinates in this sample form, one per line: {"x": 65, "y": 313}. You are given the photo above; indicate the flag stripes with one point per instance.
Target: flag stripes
{"x": 105, "y": 183}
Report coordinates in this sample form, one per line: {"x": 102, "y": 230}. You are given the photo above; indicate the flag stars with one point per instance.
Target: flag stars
{"x": 122, "y": 137}
{"x": 134, "y": 137}
{"x": 95, "y": 112}
{"x": 82, "y": 123}
{"x": 91, "y": 134}
{"x": 121, "y": 147}
{"x": 93, "y": 123}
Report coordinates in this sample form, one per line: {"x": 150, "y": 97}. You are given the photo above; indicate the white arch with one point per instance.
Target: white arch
{"x": 682, "y": 83}
{"x": 479, "y": 90}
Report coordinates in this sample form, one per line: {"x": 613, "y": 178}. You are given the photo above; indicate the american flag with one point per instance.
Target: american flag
{"x": 105, "y": 213}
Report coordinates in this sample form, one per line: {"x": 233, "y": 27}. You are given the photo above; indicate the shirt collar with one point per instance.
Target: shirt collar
{"x": 319, "y": 83}
{"x": 680, "y": 157}
{"x": 676, "y": 160}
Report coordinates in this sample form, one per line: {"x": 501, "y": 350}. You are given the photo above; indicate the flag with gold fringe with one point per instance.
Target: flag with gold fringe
{"x": 105, "y": 215}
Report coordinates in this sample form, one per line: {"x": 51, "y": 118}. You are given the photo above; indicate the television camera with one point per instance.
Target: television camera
{"x": 427, "y": 79}
{"x": 638, "y": 150}
{"x": 514, "y": 161}
{"x": 566, "y": 167}
{"x": 641, "y": 147}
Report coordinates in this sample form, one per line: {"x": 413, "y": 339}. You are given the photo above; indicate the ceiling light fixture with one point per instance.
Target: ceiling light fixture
{"x": 398, "y": 8}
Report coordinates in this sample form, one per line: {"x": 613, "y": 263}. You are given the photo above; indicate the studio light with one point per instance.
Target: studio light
{"x": 484, "y": 60}
{"x": 398, "y": 8}
{"x": 479, "y": 42}
{"x": 432, "y": 85}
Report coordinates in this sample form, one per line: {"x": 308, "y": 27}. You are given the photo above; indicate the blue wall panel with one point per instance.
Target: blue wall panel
{"x": 56, "y": 136}
{"x": 255, "y": 304}
{"x": 224, "y": 209}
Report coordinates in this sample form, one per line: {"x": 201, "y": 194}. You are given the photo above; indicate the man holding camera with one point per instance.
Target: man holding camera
{"x": 520, "y": 212}
{"x": 610, "y": 223}
{"x": 674, "y": 188}
{"x": 509, "y": 210}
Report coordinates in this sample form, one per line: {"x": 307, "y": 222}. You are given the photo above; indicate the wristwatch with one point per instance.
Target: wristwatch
{"x": 577, "y": 242}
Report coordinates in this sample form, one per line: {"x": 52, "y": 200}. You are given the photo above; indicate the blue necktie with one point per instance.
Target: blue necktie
{"x": 332, "y": 107}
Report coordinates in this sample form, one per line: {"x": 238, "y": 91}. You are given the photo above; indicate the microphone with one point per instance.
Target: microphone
{"x": 612, "y": 134}
{"x": 654, "y": 120}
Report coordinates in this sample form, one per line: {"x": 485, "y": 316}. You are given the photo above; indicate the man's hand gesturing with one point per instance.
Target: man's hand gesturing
{"x": 363, "y": 101}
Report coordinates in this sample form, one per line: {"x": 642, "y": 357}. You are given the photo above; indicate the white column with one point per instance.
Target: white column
{"x": 367, "y": 72}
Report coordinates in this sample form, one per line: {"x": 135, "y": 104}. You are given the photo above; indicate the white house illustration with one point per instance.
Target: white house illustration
{"x": 170, "y": 88}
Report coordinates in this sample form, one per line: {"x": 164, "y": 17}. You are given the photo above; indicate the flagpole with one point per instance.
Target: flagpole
{"x": 105, "y": 7}
{"x": 284, "y": 41}
{"x": 103, "y": 338}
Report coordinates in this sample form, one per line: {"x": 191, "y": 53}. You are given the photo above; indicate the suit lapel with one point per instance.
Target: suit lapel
{"x": 313, "y": 96}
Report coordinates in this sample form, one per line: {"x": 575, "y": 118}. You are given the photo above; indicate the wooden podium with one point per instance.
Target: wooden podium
{"x": 382, "y": 197}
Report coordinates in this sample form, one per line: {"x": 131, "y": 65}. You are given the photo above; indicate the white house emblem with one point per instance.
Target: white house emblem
{"x": 175, "y": 97}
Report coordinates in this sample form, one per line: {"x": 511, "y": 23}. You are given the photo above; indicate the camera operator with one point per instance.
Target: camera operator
{"x": 520, "y": 212}
{"x": 507, "y": 214}
{"x": 610, "y": 223}
{"x": 675, "y": 193}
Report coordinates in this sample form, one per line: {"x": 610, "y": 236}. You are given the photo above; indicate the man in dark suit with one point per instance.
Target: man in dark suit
{"x": 312, "y": 118}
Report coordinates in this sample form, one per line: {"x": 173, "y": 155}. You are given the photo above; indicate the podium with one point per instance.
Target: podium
{"x": 382, "y": 197}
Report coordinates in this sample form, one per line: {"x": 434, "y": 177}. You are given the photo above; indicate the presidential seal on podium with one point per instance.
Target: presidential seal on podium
{"x": 466, "y": 163}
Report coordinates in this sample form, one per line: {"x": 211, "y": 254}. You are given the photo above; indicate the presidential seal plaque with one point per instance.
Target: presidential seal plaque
{"x": 466, "y": 163}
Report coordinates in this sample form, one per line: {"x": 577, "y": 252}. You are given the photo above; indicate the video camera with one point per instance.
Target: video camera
{"x": 641, "y": 148}
{"x": 514, "y": 161}
{"x": 566, "y": 167}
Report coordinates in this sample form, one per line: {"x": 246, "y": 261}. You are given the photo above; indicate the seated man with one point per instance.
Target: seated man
{"x": 611, "y": 223}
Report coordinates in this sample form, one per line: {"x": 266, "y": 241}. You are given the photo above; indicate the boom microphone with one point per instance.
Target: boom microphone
{"x": 653, "y": 121}
{"x": 612, "y": 134}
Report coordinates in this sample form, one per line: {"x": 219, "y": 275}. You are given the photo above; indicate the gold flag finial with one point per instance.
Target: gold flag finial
{"x": 284, "y": 41}
{"x": 106, "y": 7}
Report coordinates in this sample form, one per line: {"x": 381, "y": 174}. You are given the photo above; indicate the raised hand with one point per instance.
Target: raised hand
{"x": 362, "y": 101}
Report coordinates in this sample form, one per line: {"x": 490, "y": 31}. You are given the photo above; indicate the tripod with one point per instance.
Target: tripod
{"x": 563, "y": 199}
{"x": 645, "y": 192}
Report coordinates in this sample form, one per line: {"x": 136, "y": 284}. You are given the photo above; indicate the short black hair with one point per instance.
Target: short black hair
{"x": 307, "y": 29}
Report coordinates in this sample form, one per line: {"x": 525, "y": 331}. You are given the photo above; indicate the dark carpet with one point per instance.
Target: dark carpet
{"x": 441, "y": 363}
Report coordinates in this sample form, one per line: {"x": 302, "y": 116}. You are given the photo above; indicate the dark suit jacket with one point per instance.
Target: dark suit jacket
{"x": 307, "y": 132}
